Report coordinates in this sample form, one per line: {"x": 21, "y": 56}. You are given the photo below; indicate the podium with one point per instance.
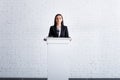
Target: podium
{"x": 57, "y": 55}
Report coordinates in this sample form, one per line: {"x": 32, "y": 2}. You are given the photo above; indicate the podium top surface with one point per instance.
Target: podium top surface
{"x": 52, "y": 40}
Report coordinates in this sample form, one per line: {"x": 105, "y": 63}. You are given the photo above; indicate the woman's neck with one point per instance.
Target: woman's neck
{"x": 58, "y": 25}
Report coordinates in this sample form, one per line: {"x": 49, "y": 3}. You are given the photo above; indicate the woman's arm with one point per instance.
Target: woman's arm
{"x": 66, "y": 32}
{"x": 50, "y": 32}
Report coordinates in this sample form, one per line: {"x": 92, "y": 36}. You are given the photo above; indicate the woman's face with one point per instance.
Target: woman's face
{"x": 58, "y": 19}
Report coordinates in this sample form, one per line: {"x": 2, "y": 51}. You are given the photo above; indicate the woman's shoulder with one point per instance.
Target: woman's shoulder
{"x": 52, "y": 26}
{"x": 64, "y": 26}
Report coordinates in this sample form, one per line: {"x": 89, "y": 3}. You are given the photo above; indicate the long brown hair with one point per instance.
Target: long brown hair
{"x": 62, "y": 23}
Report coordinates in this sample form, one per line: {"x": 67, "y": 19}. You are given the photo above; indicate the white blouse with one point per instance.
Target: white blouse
{"x": 59, "y": 29}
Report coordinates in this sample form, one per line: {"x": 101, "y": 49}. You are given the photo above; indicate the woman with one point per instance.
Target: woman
{"x": 58, "y": 29}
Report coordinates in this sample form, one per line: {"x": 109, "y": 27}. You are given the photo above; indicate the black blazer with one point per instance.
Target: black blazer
{"x": 53, "y": 32}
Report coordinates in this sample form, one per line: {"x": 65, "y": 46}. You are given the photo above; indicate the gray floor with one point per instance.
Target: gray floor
{"x": 23, "y": 78}
{"x": 69, "y": 78}
{"x": 94, "y": 78}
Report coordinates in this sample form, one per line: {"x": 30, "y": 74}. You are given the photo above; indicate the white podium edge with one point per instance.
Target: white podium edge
{"x": 57, "y": 40}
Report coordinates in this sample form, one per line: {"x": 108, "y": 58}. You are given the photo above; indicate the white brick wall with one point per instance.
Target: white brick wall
{"x": 94, "y": 26}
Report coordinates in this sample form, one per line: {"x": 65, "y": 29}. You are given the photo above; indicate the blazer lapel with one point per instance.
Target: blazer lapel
{"x": 56, "y": 32}
{"x": 61, "y": 31}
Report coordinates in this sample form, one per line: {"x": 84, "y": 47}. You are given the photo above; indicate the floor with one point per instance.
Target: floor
{"x": 69, "y": 78}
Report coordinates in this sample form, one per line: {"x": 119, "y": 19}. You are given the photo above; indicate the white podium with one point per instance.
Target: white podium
{"x": 58, "y": 68}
